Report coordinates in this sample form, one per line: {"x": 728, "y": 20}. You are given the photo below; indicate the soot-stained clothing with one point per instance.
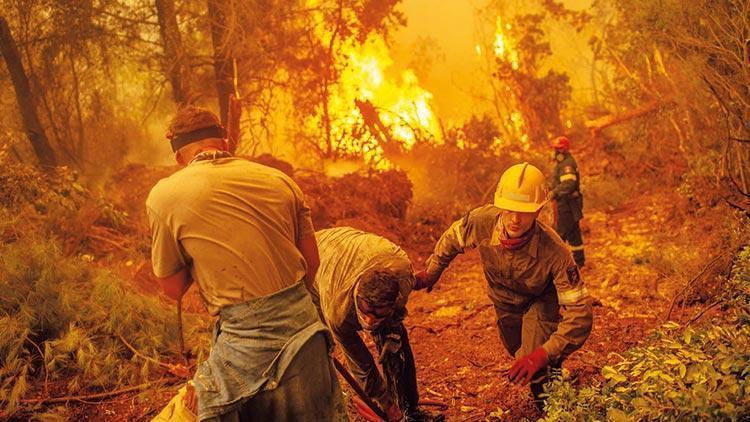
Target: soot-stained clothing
{"x": 345, "y": 254}
{"x": 236, "y": 227}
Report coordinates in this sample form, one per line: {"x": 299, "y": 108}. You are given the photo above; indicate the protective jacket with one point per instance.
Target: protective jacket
{"x": 569, "y": 204}
{"x": 565, "y": 185}
{"x": 539, "y": 283}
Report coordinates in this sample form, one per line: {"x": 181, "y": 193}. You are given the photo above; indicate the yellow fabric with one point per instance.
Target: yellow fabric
{"x": 235, "y": 224}
{"x": 345, "y": 254}
{"x": 565, "y": 177}
{"x": 175, "y": 410}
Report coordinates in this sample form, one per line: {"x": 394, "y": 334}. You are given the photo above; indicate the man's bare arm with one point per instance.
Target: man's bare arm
{"x": 175, "y": 285}
{"x": 308, "y": 246}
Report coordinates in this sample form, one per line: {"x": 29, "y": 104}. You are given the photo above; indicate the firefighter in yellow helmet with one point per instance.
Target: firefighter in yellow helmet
{"x": 543, "y": 309}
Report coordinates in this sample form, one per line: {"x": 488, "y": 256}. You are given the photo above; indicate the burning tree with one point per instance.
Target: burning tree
{"x": 527, "y": 100}
{"x": 348, "y": 101}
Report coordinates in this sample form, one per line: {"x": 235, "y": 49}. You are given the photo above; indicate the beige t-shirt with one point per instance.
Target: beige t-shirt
{"x": 345, "y": 254}
{"x": 235, "y": 224}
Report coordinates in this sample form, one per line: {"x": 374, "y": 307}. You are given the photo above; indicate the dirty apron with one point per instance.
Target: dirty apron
{"x": 253, "y": 345}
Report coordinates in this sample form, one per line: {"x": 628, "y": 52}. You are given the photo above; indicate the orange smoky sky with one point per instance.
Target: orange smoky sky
{"x": 443, "y": 43}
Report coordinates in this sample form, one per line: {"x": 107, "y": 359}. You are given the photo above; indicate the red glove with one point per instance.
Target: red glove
{"x": 422, "y": 281}
{"x": 525, "y": 367}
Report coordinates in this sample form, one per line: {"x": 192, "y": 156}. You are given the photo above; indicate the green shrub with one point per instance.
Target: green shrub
{"x": 683, "y": 373}
{"x": 62, "y": 319}
{"x": 22, "y": 184}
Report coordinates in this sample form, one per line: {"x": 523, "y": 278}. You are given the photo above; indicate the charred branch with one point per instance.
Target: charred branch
{"x": 601, "y": 123}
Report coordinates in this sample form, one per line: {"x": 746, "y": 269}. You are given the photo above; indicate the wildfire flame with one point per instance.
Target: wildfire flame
{"x": 505, "y": 45}
{"x": 506, "y": 52}
{"x": 400, "y": 103}
{"x": 403, "y": 105}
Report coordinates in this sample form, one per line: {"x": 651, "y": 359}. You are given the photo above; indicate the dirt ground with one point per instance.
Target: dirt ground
{"x": 459, "y": 357}
{"x": 454, "y": 337}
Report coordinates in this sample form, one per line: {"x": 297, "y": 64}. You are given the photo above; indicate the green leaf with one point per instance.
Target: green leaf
{"x": 612, "y": 374}
{"x": 617, "y": 415}
{"x": 670, "y": 325}
{"x": 672, "y": 360}
{"x": 640, "y": 402}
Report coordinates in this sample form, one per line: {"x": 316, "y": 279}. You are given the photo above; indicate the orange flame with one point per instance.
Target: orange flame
{"x": 402, "y": 105}
{"x": 505, "y": 45}
{"x": 506, "y": 52}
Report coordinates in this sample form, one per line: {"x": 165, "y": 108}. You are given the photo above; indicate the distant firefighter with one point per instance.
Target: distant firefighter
{"x": 243, "y": 233}
{"x": 363, "y": 283}
{"x": 568, "y": 201}
{"x": 543, "y": 309}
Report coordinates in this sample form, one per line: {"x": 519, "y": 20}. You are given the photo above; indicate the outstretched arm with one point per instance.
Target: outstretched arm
{"x": 575, "y": 309}
{"x": 460, "y": 235}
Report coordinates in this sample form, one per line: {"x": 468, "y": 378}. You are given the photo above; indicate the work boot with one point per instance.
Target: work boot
{"x": 421, "y": 415}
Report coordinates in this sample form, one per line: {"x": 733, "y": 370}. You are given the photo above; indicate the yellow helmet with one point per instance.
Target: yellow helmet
{"x": 521, "y": 189}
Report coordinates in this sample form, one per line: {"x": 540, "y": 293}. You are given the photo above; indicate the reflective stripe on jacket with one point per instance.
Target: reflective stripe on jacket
{"x": 566, "y": 187}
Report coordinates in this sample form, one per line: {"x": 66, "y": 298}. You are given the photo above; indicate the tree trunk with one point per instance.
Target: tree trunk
{"x": 614, "y": 119}
{"x": 233, "y": 123}
{"x": 222, "y": 60}
{"x": 24, "y": 97}
{"x": 174, "y": 55}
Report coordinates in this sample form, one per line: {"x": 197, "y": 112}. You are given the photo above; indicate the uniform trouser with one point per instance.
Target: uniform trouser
{"x": 523, "y": 332}
{"x": 309, "y": 390}
{"x": 570, "y": 231}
